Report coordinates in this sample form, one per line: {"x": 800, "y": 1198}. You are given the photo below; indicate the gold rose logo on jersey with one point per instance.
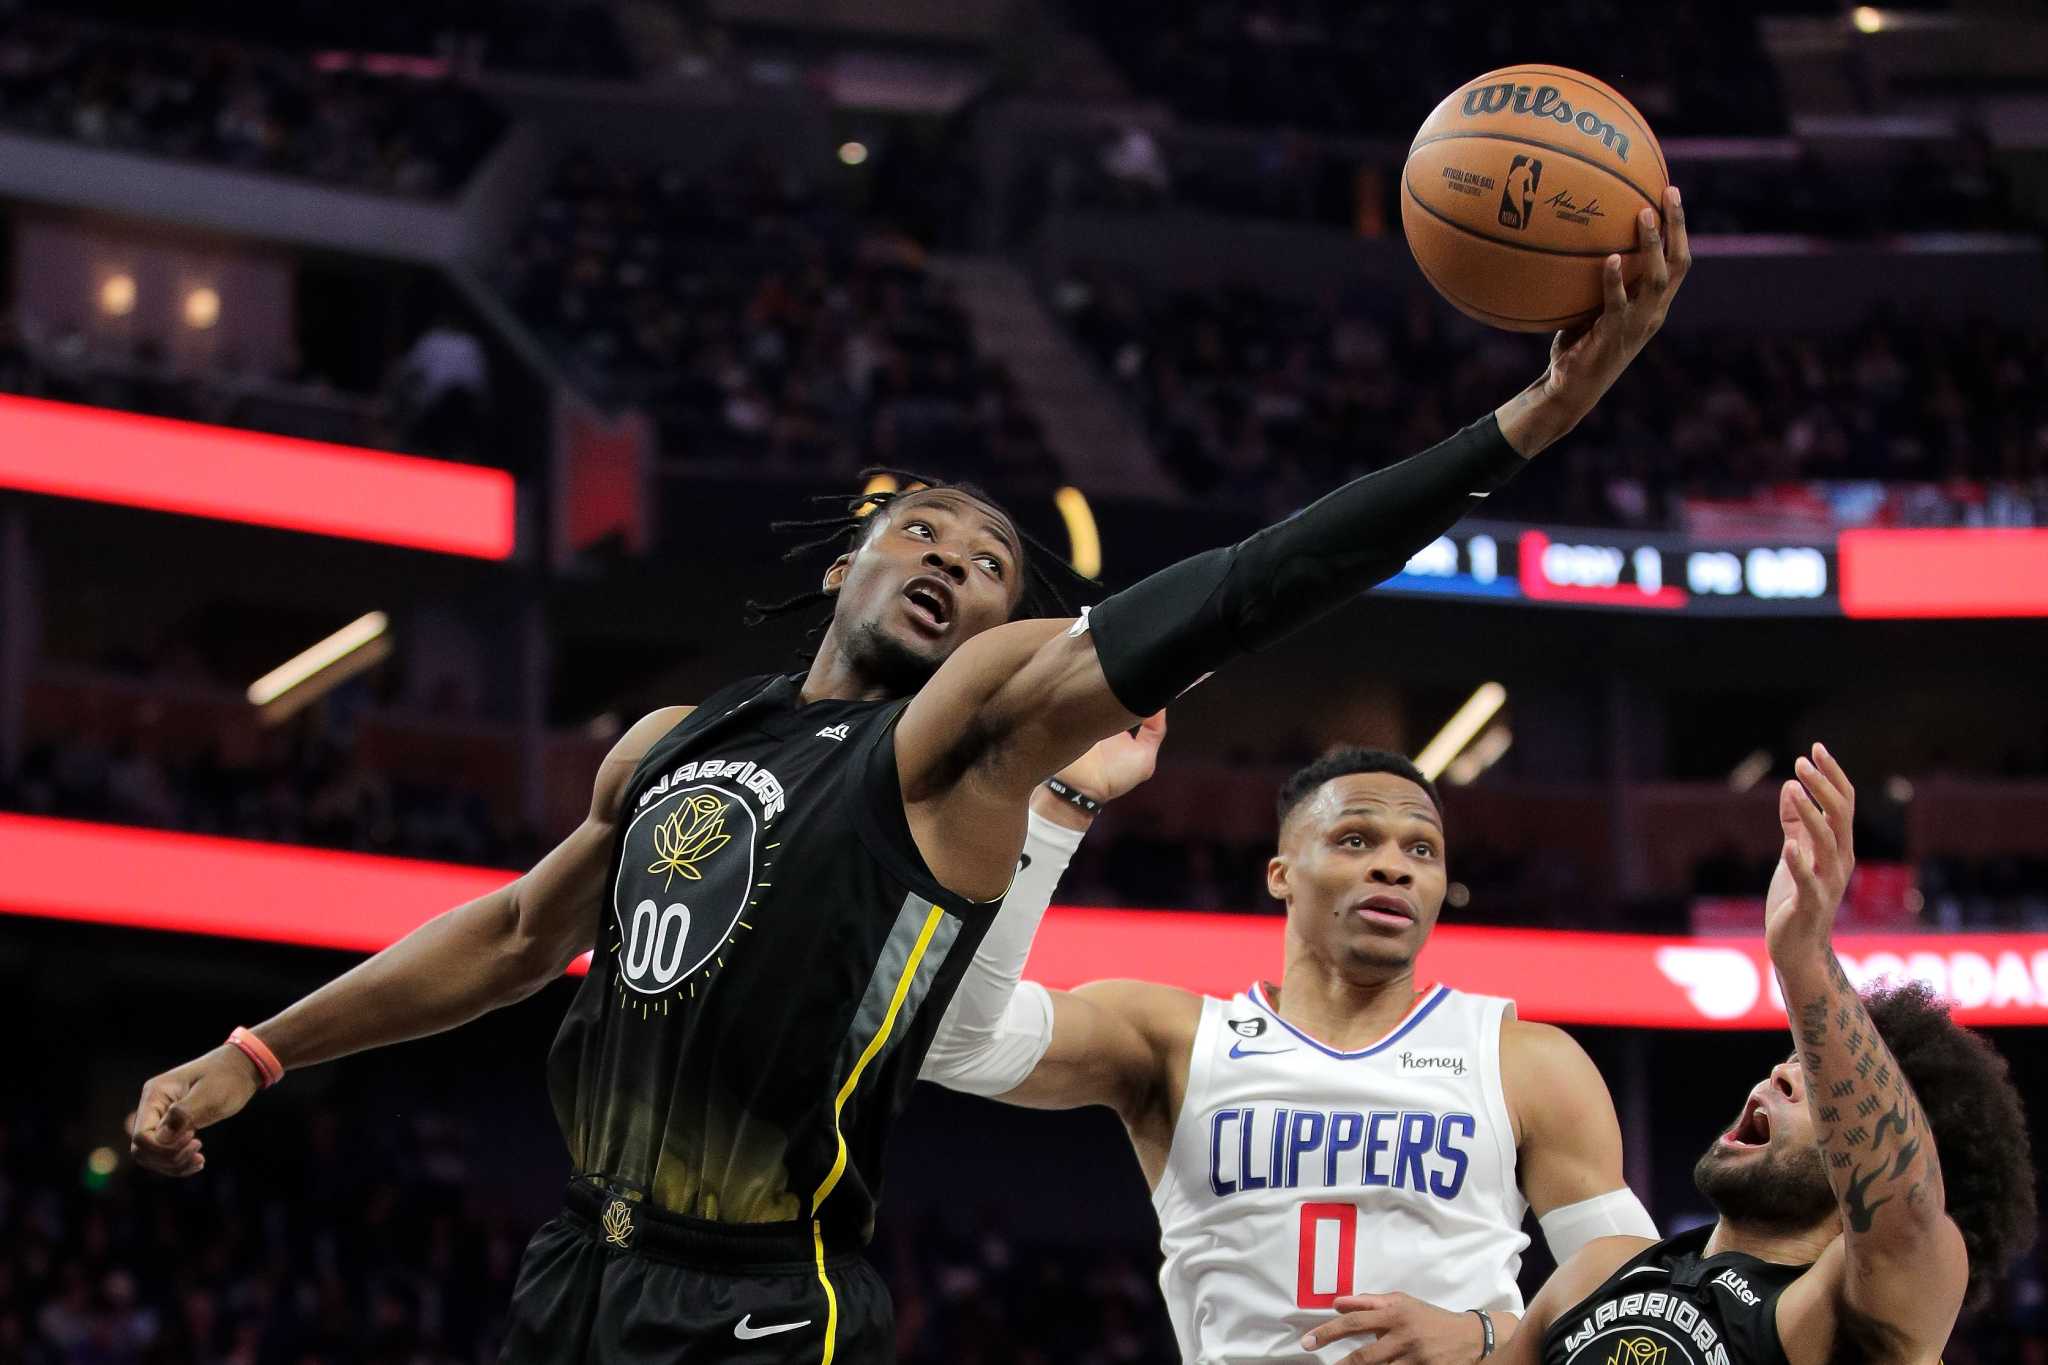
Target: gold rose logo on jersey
{"x": 693, "y": 831}
{"x": 691, "y": 865}
{"x": 618, "y": 1223}
{"x": 1637, "y": 1351}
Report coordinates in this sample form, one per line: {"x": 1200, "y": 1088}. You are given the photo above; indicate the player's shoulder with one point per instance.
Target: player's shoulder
{"x": 643, "y": 734}
{"x": 1571, "y": 1287}
{"x": 1550, "y": 1082}
{"x": 1542, "y": 1059}
{"x": 608, "y": 792}
{"x": 1543, "y": 1047}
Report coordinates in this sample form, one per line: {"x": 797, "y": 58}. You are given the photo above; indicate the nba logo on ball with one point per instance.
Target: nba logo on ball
{"x": 1518, "y": 187}
{"x": 1524, "y": 175}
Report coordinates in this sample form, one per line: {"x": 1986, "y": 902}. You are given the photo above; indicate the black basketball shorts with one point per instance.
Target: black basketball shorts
{"x": 609, "y": 1282}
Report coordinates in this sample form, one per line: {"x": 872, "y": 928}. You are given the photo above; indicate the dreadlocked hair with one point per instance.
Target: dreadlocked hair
{"x": 1052, "y": 588}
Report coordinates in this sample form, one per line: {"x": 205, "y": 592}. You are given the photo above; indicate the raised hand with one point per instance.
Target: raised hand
{"x": 1585, "y": 361}
{"x": 1118, "y": 764}
{"x": 1817, "y": 812}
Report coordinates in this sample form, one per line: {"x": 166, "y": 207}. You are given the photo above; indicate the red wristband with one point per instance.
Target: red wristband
{"x": 254, "y": 1049}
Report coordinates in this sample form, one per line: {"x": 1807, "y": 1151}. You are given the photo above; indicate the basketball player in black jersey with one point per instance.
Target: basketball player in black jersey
{"x": 1876, "y": 1183}
{"x": 784, "y": 885}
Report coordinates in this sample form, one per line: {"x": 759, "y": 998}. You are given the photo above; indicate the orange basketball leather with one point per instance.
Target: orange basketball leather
{"x": 1519, "y": 185}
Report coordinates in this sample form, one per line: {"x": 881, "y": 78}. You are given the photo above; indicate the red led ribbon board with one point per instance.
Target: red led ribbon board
{"x": 1560, "y": 976}
{"x": 197, "y": 470}
{"x": 1956, "y": 573}
{"x": 235, "y": 888}
{"x": 282, "y": 894}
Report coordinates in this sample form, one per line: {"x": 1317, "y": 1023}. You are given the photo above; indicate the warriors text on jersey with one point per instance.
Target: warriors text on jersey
{"x": 1672, "y": 1305}
{"x": 1299, "y": 1173}
{"x": 773, "y": 958}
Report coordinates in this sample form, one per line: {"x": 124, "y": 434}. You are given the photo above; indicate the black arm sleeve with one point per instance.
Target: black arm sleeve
{"x": 1167, "y": 632}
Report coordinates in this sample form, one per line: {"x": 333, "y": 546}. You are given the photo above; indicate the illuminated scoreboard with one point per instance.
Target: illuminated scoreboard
{"x": 1874, "y": 573}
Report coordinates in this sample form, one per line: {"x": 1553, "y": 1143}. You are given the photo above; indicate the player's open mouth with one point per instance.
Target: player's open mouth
{"x": 1391, "y": 911}
{"x": 1752, "y": 1130}
{"x": 931, "y": 603}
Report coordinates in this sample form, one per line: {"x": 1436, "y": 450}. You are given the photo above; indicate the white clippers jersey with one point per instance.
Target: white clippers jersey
{"x": 1299, "y": 1173}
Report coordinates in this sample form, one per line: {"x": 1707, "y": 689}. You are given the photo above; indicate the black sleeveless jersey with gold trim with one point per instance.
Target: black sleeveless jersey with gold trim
{"x": 772, "y": 960}
{"x": 1672, "y": 1306}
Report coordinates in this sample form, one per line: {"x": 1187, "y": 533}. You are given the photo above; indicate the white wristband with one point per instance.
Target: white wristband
{"x": 990, "y": 1027}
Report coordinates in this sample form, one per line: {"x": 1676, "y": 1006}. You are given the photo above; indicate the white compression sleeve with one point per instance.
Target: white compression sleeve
{"x": 993, "y": 1033}
{"x": 1617, "y": 1213}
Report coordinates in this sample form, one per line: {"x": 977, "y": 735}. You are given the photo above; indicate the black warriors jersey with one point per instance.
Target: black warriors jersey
{"x": 773, "y": 958}
{"x": 1673, "y": 1306}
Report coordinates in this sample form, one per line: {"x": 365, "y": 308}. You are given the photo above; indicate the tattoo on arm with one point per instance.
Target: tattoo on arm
{"x": 1854, "y": 1203}
{"x": 1866, "y": 1117}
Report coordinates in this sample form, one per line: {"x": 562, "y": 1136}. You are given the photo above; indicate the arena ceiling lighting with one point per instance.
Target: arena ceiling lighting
{"x": 1750, "y": 771}
{"x": 319, "y": 668}
{"x": 202, "y": 308}
{"x": 1486, "y": 751}
{"x": 1458, "y": 731}
{"x": 117, "y": 295}
{"x": 1084, "y": 540}
{"x": 283, "y": 894}
{"x": 189, "y": 468}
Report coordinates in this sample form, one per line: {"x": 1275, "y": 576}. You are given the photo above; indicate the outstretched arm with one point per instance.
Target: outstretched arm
{"x": 1899, "y": 1278}
{"x": 1017, "y": 703}
{"x": 1121, "y": 1044}
{"x": 497, "y": 949}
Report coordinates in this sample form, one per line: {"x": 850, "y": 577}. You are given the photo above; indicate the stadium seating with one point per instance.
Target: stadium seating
{"x": 760, "y": 327}
{"x": 1253, "y": 397}
{"x": 232, "y": 104}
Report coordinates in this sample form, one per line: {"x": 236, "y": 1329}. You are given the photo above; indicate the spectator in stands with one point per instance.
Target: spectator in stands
{"x": 165, "y": 94}
{"x": 1255, "y": 396}
{"x": 440, "y": 390}
{"x": 762, "y": 329}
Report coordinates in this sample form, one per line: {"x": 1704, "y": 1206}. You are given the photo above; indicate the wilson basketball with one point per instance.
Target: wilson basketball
{"x": 1519, "y": 185}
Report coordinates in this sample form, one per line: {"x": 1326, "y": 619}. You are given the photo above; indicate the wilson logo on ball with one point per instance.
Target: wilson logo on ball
{"x": 1543, "y": 101}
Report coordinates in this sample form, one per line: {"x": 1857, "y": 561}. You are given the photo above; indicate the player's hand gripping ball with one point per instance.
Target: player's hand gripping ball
{"x": 1518, "y": 188}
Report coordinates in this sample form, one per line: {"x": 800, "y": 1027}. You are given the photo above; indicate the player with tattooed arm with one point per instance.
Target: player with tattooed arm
{"x": 1873, "y": 1186}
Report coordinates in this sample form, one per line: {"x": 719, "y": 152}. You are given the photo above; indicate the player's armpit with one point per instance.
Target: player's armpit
{"x": 1010, "y": 708}
{"x": 1568, "y": 1139}
{"x": 1111, "y": 1042}
{"x": 552, "y": 923}
{"x": 1893, "y": 1313}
